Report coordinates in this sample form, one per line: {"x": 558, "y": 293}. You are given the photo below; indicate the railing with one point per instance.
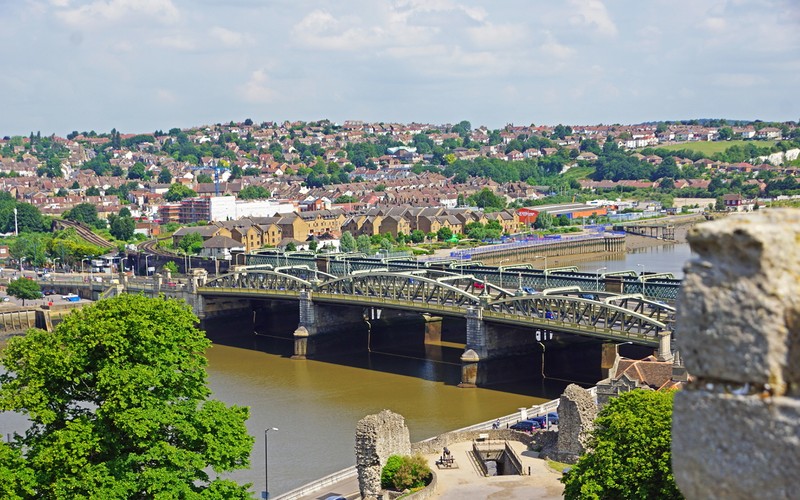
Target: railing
{"x": 317, "y": 485}
{"x": 527, "y": 243}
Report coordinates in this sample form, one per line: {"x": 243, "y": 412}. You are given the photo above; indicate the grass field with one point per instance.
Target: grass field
{"x": 709, "y": 148}
{"x": 578, "y": 173}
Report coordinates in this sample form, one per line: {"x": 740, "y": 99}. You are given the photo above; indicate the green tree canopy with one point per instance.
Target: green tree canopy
{"x": 364, "y": 244}
{"x": 485, "y": 198}
{"x": 177, "y": 192}
{"x": 254, "y": 193}
{"x": 191, "y": 243}
{"x": 83, "y": 212}
{"x": 631, "y": 456}
{"x": 119, "y": 407}
{"x": 25, "y": 289}
{"x": 164, "y": 176}
{"x": 121, "y": 227}
{"x": 347, "y": 243}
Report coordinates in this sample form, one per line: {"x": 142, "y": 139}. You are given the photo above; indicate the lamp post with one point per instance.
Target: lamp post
{"x": 266, "y": 461}
{"x": 641, "y": 278}
{"x": 500, "y": 267}
{"x": 597, "y": 278}
{"x": 146, "y": 268}
{"x": 545, "y": 267}
{"x": 83, "y": 269}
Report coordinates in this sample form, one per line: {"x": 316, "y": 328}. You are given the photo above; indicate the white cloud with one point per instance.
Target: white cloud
{"x": 256, "y": 89}
{"x": 552, "y": 47}
{"x": 505, "y": 36}
{"x": 738, "y": 80}
{"x": 103, "y": 11}
{"x": 230, "y": 38}
{"x": 592, "y": 13}
{"x": 321, "y": 30}
{"x": 177, "y": 42}
{"x": 715, "y": 24}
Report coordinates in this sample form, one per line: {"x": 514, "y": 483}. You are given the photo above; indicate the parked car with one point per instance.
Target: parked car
{"x": 526, "y": 425}
{"x": 528, "y": 290}
{"x": 49, "y": 291}
{"x": 543, "y": 420}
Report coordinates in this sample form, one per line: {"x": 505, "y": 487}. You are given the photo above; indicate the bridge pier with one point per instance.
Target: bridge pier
{"x": 433, "y": 329}
{"x": 317, "y": 320}
{"x": 494, "y": 352}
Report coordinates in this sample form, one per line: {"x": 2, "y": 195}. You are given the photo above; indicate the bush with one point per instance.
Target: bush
{"x": 404, "y": 472}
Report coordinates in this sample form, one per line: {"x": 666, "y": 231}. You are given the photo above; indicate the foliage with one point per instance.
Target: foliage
{"x": 291, "y": 247}
{"x": 485, "y": 198}
{"x": 347, "y": 243}
{"x": 29, "y": 218}
{"x": 364, "y": 244}
{"x": 404, "y": 472}
{"x": 171, "y": 266}
{"x": 164, "y": 176}
{"x": 417, "y": 236}
{"x": 204, "y": 179}
{"x": 444, "y": 233}
{"x": 346, "y": 199}
{"x": 191, "y": 242}
{"x": 119, "y": 408}
{"x": 83, "y": 212}
{"x": 25, "y": 289}
{"x": 32, "y": 247}
{"x": 177, "y": 192}
{"x": 254, "y": 193}
{"x": 121, "y": 228}
{"x": 630, "y": 455}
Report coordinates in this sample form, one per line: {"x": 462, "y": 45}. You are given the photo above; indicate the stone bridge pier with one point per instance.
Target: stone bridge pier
{"x": 494, "y": 352}
{"x": 322, "y": 320}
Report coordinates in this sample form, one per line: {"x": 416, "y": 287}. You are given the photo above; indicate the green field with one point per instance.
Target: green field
{"x": 709, "y": 148}
{"x": 578, "y": 173}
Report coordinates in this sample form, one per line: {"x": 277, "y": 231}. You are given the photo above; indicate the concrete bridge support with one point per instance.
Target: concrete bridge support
{"x": 494, "y": 352}
{"x": 318, "y": 320}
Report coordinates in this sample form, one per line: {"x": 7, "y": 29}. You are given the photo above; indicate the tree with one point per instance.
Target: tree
{"x": 404, "y": 472}
{"x": 25, "y": 289}
{"x": 92, "y": 191}
{"x": 137, "y": 171}
{"x": 487, "y": 199}
{"x": 347, "y": 243}
{"x": 177, "y": 192}
{"x": 417, "y": 236}
{"x": 290, "y": 247}
{"x": 204, "y": 179}
{"x": 82, "y": 212}
{"x": 364, "y": 244}
{"x": 124, "y": 212}
{"x": 444, "y": 233}
{"x": 171, "y": 266}
{"x": 164, "y": 177}
{"x": 119, "y": 407}
{"x": 630, "y": 455}
{"x": 191, "y": 242}
{"x": 121, "y": 228}
{"x": 254, "y": 193}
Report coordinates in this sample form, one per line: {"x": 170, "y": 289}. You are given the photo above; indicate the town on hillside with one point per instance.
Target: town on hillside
{"x": 252, "y": 185}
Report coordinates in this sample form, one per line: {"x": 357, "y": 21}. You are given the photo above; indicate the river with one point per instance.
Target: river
{"x": 316, "y": 404}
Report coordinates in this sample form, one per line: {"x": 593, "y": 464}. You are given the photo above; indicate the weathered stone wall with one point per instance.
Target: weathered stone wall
{"x": 377, "y": 438}
{"x": 736, "y": 429}
{"x": 576, "y": 412}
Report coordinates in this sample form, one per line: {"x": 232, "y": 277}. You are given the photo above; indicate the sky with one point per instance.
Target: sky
{"x": 145, "y": 65}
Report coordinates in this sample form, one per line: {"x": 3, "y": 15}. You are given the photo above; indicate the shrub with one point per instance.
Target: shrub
{"x": 404, "y": 472}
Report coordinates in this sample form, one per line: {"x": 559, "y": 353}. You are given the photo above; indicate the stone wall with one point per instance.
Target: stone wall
{"x": 576, "y": 413}
{"x": 377, "y": 438}
{"x": 736, "y": 428}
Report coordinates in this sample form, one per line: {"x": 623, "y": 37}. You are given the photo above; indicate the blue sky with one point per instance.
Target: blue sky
{"x": 142, "y": 65}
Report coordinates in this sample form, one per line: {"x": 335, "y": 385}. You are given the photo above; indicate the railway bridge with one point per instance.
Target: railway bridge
{"x": 499, "y": 321}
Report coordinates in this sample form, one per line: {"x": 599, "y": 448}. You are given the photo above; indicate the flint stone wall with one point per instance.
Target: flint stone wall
{"x": 576, "y": 413}
{"x": 377, "y": 438}
{"x": 736, "y": 428}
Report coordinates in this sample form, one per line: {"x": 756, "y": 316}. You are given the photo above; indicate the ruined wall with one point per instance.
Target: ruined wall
{"x": 576, "y": 413}
{"x": 377, "y": 438}
{"x": 736, "y": 428}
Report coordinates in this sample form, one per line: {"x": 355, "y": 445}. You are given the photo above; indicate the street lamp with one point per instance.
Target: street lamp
{"x": 545, "y": 266}
{"x": 641, "y": 278}
{"x": 597, "y": 278}
{"x": 500, "y": 267}
{"x": 266, "y": 461}
{"x": 146, "y": 268}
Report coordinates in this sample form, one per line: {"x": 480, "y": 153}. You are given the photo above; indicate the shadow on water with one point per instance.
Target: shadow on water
{"x": 398, "y": 348}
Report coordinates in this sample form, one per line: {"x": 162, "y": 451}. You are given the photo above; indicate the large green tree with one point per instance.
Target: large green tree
{"x": 121, "y": 227}
{"x": 347, "y": 243}
{"x": 119, "y": 408}
{"x": 25, "y": 289}
{"x": 177, "y": 192}
{"x": 630, "y": 453}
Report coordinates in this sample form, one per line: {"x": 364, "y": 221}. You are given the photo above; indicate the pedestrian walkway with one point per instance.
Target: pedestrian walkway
{"x": 464, "y": 481}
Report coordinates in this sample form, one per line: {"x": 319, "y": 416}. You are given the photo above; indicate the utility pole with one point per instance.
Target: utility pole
{"x": 16, "y": 228}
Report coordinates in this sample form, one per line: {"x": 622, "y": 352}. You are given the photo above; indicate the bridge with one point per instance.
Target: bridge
{"x": 330, "y": 303}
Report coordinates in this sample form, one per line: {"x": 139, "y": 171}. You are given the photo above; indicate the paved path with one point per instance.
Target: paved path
{"x": 466, "y": 482}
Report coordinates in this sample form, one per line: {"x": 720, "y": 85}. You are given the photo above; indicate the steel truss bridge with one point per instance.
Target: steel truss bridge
{"x": 596, "y": 314}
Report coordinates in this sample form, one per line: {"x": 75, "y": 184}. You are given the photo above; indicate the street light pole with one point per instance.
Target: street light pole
{"x": 266, "y": 461}
{"x": 146, "y": 268}
{"x": 597, "y": 279}
{"x": 500, "y": 267}
{"x": 545, "y": 267}
{"x": 641, "y": 278}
